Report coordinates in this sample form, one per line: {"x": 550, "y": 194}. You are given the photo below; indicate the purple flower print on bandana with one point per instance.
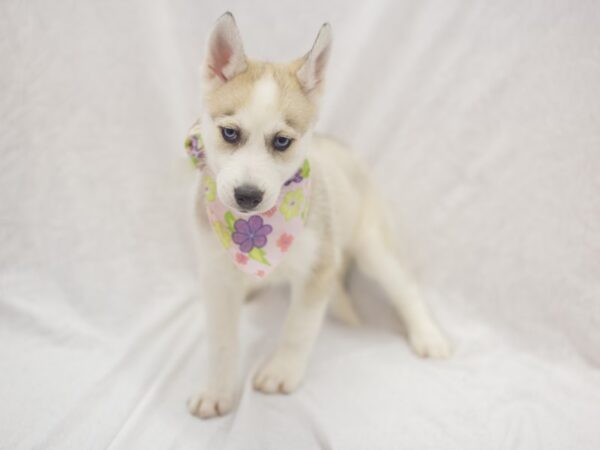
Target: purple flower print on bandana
{"x": 297, "y": 178}
{"x": 250, "y": 233}
{"x": 194, "y": 147}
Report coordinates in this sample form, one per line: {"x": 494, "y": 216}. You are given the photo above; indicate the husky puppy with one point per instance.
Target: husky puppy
{"x": 257, "y": 129}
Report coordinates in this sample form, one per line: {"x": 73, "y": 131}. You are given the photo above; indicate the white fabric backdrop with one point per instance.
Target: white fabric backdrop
{"x": 481, "y": 121}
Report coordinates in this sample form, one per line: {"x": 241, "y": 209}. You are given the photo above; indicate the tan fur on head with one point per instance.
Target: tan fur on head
{"x": 227, "y": 98}
{"x": 230, "y": 76}
{"x": 260, "y": 103}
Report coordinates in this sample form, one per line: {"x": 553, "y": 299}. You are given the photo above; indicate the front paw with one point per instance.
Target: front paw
{"x": 282, "y": 374}
{"x": 429, "y": 342}
{"x": 208, "y": 404}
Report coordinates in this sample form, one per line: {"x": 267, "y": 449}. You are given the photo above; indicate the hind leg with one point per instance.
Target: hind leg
{"x": 376, "y": 260}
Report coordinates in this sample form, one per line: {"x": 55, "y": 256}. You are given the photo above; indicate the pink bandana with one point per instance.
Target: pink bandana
{"x": 257, "y": 243}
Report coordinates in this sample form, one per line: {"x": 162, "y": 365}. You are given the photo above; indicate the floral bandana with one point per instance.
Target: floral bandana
{"x": 257, "y": 243}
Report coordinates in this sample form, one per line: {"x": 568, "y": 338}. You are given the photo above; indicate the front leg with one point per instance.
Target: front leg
{"x": 286, "y": 367}
{"x": 224, "y": 297}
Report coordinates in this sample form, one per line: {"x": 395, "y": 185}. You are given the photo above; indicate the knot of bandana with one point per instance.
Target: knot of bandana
{"x": 256, "y": 243}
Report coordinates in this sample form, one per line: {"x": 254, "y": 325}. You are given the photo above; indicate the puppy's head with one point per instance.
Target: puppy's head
{"x": 258, "y": 116}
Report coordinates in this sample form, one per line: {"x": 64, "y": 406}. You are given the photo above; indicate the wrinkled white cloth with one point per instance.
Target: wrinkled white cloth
{"x": 481, "y": 122}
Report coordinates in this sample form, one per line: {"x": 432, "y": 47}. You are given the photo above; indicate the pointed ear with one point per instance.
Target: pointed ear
{"x": 225, "y": 56}
{"x": 312, "y": 71}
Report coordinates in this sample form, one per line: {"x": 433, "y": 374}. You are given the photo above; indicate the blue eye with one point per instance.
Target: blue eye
{"x": 281, "y": 143}
{"x": 230, "y": 135}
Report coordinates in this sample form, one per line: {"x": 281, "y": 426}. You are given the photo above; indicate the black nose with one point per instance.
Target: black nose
{"x": 247, "y": 196}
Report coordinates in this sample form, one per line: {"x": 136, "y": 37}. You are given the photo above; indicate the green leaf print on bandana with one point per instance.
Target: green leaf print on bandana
{"x": 258, "y": 254}
{"x": 230, "y": 220}
{"x": 210, "y": 188}
{"x": 305, "y": 170}
{"x": 223, "y": 234}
